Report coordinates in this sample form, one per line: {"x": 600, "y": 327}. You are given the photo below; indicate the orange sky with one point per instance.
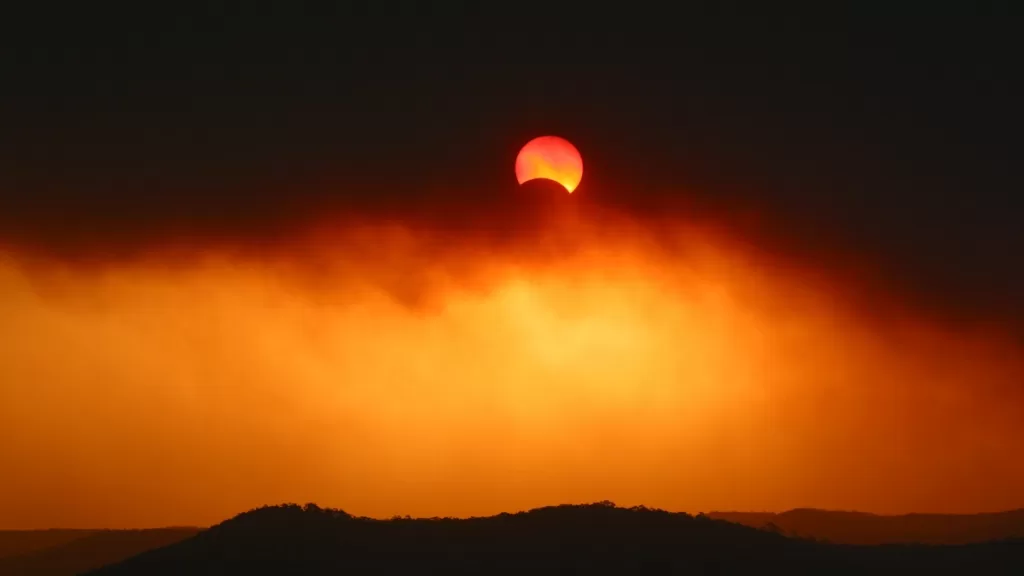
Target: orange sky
{"x": 385, "y": 370}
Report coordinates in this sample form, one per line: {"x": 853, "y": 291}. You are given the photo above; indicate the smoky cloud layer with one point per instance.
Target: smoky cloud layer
{"x": 390, "y": 369}
{"x": 974, "y": 284}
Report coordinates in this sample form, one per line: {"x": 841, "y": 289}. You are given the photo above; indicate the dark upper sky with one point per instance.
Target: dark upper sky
{"x": 878, "y": 133}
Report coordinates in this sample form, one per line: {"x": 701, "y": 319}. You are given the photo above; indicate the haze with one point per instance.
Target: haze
{"x": 387, "y": 368}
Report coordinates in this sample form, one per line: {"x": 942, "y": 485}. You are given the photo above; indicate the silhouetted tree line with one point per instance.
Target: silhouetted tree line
{"x": 594, "y": 539}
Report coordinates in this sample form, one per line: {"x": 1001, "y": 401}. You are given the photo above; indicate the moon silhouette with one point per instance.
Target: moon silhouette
{"x": 551, "y": 158}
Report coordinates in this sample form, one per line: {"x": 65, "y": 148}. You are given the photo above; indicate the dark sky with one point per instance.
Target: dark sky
{"x": 879, "y": 134}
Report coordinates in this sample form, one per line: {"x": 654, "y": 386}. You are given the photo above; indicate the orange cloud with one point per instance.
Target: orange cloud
{"x": 387, "y": 370}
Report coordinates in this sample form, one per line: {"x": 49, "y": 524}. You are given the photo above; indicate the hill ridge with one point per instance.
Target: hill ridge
{"x": 598, "y": 538}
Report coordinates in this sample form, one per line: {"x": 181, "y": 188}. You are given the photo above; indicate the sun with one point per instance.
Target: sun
{"x": 551, "y": 158}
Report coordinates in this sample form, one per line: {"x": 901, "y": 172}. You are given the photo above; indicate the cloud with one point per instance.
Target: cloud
{"x": 394, "y": 369}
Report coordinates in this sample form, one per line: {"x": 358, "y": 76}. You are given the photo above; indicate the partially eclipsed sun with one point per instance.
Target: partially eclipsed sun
{"x": 552, "y": 158}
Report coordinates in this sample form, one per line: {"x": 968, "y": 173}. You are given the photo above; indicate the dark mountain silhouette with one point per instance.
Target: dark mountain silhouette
{"x": 863, "y": 528}
{"x": 591, "y": 539}
{"x": 70, "y": 552}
